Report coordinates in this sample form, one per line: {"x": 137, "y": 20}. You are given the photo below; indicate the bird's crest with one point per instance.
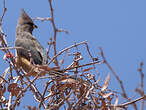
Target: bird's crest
{"x": 24, "y": 18}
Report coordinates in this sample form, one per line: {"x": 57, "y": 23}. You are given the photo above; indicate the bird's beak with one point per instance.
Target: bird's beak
{"x": 35, "y": 26}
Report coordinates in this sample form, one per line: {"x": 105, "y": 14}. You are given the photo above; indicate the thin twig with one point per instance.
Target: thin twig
{"x": 3, "y": 14}
{"x": 80, "y": 99}
{"x": 10, "y": 48}
{"x": 117, "y": 77}
{"x": 141, "y": 89}
{"x": 64, "y": 99}
{"x": 19, "y": 95}
{"x": 128, "y": 103}
{"x": 10, "y": 96}
{"x": 88, "y": 64}
{"x": 44, "y": 94}
{"x": 42, "y": 19}
{"x": 62, "y": 30}
{"x": 55, "y": 31}
{"x": 133, "y": 101}
{"x": 59, "y": 53}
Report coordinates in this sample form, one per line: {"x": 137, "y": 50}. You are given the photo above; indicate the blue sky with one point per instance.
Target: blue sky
{"x": 118, "y": 26}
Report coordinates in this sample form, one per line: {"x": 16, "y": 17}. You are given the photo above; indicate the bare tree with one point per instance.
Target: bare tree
{"x": 77, "y": 89}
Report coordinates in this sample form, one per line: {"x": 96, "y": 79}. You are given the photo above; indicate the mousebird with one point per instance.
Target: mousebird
{"x": 30, "y": 52}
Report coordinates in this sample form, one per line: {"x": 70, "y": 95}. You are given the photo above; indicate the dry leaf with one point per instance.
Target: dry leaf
{"x": 61, "y": 61}
{"x": 68, "y": 80}
{"x": 14, "y": 89}
{"x": 106, "y": 82}
{"x": 88, "y": 69}
{"x": 53, "y": 89}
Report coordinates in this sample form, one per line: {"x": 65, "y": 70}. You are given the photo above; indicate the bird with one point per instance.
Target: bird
{"x": 29, "y": 51}
{"x": 30, "y": 55}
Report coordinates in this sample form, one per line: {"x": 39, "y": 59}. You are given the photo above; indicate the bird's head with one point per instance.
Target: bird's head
{"x": 25, "y": 23}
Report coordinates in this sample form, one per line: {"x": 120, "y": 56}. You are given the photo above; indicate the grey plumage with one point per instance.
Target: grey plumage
{"x": 28, "y": 42}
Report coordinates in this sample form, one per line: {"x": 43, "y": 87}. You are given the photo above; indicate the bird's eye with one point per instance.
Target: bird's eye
{"x": 30, "y": 24}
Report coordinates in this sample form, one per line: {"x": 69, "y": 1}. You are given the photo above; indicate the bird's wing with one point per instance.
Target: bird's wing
{"x": 41, "y": 51}
{"x": 32, "y": 46}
